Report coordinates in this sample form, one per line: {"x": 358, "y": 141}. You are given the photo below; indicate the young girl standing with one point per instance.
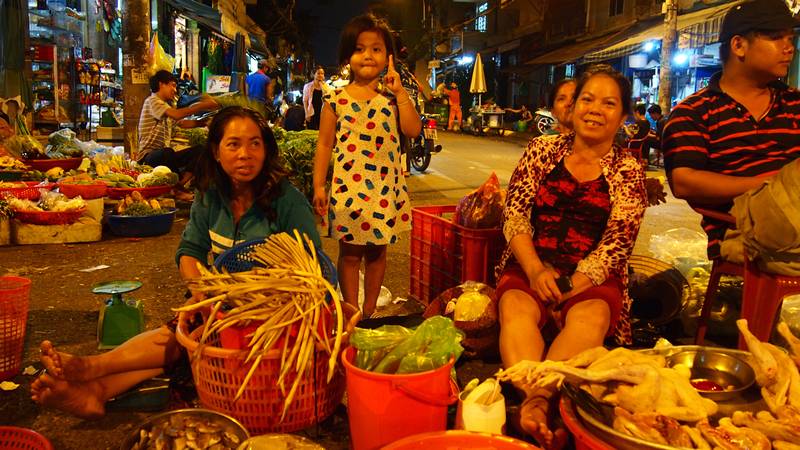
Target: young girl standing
{"x": 368, "y": 205}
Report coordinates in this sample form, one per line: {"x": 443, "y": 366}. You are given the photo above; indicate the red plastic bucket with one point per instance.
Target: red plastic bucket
{"x": 584, "y": 439}
{"x": 14, "y": 292}
{"x": 446, "y": 440}
{"x": 384, "y": 408}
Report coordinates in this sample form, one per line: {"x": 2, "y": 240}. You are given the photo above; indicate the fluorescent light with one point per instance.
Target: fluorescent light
{"x": 466, "y": 59}
{"x": 680, "y": 59}
{"x": 649, "y": 46}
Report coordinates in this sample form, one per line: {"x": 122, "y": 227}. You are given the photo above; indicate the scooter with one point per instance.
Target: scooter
{"x": 543, "y": 121}
{"x": 424, "y": 145}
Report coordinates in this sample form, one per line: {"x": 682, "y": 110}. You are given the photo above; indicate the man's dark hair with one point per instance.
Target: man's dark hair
{"x": 654, "y": 109}
{"x": 551, "y": 99}
{"x": 624, "y": 85}
{"x": 358, "y": 25}
{"x": 641, "y": 108}
{"x": 161, "y": 77}
{"x": 266, "y": 185}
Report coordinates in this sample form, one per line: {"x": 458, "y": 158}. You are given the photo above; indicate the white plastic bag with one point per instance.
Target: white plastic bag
{"x": 384, "y": 298}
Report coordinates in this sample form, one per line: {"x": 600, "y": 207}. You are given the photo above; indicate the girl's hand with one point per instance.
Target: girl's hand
{"x": 320, "y": 202}
{"x": 392, "y": 78}
{"x": 544, "y": 284}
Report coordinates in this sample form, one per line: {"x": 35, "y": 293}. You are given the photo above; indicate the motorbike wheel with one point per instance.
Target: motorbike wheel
{"x": 544, "y": 124}
{"x": 420, "y": 159}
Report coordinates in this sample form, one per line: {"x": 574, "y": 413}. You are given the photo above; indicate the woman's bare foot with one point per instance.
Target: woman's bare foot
{"x": 82, "y": 399}
{"x": 534, "y": 419}
{"x": 66, "y": 366}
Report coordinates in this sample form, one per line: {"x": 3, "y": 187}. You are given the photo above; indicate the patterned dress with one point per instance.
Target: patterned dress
{"x": 369, "y": 199}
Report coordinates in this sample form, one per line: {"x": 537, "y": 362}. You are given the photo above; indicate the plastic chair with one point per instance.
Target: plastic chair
{"x": 762, "y": 294}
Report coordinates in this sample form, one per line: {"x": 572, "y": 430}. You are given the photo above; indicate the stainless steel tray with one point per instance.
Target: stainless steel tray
{"x": 750, "y": 400}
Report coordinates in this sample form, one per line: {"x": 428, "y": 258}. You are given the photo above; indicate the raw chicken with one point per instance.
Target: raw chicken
{"x": 652, "y": 427}
{"x": 781, "y": 430}
{"x": 764, "y": 359}
{"x": 776, "y": 373}
{"x": 792, "y": 340}
{"x": 727, "y": 436}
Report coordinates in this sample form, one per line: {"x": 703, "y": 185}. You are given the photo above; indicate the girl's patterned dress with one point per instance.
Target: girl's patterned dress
{"x": 369, "y": 199}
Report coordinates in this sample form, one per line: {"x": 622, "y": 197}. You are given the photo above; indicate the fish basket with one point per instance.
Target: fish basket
{"x": 49, "y": 217}
{"x": 23, "y": 439}
{"x": 29, "y": 192}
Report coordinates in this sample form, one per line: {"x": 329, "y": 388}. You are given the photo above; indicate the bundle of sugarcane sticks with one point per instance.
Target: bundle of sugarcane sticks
{"x": 288, "y": 294}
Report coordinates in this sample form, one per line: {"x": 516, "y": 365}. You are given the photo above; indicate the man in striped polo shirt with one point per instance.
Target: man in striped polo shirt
{"x": 728, "y": 138}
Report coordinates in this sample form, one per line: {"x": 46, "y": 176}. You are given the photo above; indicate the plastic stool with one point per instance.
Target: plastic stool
{"x": 762, "y": 298}
{"x": 720, "y": 267}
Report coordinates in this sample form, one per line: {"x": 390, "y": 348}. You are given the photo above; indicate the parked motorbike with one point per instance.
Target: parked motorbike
{"x": 424, "y": 145}
{"x": 543, "y": 121}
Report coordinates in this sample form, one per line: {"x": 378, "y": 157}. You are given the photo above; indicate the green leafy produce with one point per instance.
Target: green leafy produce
{"x": 5, "y": 210}
{"x": 164, "y": 179}
{"x": 24, "y": 147}
{"x": 197, "y": 136}
{"x": 237, "y": 99}
{"x": 142, "y": 209}
{"x": 297, "y": 148}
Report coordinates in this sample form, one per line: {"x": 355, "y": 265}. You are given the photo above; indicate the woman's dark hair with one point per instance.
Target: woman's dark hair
{"x": 624, "y": 85}
{"x": 551, "y": 100}
{"x": 266, "y": 185}
{"x": 161, "y": 77}
{"x": 358, "y": 25}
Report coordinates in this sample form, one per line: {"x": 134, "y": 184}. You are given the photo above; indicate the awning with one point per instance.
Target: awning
{"x": 212, "y": 19}
{"x": 576, "y": 50}
{"x": 694, "y": 29}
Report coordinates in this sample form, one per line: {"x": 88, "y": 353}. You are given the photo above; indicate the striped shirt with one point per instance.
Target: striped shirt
{"x": 155, "y": 127}
{"x": 711, "y": 131}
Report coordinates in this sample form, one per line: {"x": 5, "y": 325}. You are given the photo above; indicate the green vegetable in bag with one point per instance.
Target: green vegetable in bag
{"x": 373, "y": 345}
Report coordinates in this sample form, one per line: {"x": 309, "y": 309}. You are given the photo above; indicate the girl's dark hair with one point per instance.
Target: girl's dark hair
{"x": 266, "y": 185}
{"x": 358, "y": 25}
{"x": 551, "y": 101}
{"x": 624, "y": 85}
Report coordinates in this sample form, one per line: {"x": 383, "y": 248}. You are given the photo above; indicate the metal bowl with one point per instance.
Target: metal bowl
{"x": 730, "y": 372}
{"x": 228, "y": 423}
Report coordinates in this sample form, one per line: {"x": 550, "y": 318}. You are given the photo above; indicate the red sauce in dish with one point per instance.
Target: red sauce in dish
{"x": 706, "y": 385}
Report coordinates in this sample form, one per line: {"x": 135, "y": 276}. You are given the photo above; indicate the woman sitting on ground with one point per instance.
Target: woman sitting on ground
{"x": 243, "y": 195}
{"x": 574, "y": 206}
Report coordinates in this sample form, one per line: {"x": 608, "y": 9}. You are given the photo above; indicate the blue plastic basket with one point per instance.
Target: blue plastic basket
{"x": 141, "y": 226}
{"x": 238, "y": 259}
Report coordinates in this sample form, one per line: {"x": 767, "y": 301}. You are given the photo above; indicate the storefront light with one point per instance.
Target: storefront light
{"x": 680, "y": 59}
{"x": 649, "y": 46}
{"x": 466, "y": 59}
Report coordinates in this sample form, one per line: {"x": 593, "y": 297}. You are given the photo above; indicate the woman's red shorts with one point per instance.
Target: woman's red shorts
{"x": 610, "y": 291}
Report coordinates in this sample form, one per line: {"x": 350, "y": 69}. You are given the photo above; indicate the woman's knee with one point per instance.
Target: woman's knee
{"x": 516, "y": 304}
{"x": 593, "y": 314}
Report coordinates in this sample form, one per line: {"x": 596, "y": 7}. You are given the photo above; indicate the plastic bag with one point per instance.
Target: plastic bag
{"x": 483, "y": 207}
{"x": 790, "y": 313}
{"x": 471, "y": 304}
{"x": 384, "y": 297}
{"x": 159, "y": 59}
{"x": 396, "y": 349}
{"x": 683, "y": 248}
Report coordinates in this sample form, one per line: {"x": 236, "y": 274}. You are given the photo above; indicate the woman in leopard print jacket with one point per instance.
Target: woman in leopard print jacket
{"x": 574, "y": 206}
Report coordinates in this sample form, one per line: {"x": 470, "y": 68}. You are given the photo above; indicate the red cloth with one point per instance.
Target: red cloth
{"x": 610, "y": 291}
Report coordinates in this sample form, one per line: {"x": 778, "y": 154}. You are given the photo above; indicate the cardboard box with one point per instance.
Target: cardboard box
{"x": 86, "y": 229}
{"x": 111, "y": 134}
{"x": 5, "y": 231}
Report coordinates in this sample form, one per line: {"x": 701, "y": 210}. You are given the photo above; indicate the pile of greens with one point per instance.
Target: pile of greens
{"x": 297, "y": 148}
{"x": 5, "y": 210}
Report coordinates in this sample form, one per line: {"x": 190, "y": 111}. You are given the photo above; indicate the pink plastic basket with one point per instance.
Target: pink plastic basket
{"x": 14, "y": 295}
{"x": 23, "y": 439}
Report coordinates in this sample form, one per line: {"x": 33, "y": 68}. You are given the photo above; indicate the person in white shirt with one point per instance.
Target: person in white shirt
{"x": 313, "y": 92}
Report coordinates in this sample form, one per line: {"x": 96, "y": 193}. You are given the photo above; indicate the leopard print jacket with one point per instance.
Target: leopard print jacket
{"x": 625, "y": 177}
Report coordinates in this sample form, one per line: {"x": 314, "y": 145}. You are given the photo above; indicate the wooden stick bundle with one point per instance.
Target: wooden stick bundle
{"x": 289, "y": 294}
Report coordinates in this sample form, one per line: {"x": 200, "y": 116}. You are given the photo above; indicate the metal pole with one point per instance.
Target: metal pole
{"x": 135, "y": 77}
{"x": 667, "y": 46}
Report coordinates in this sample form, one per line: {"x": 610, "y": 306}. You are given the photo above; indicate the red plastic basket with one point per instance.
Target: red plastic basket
{"x": 147, "y": 192}
{"x": 85, "y": 191}
{"x": 14, "y": 295}
{"x": 43, "y": 165}
{"x": 30, "y": 192}
{"x": 444, "y": 255}
{"x": 219, "y": 372}
{"x": 49, "y": 217}
{"x": 23, "y": 439}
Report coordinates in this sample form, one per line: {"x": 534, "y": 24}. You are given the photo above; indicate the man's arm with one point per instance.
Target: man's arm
{"x": 709, "y": 188}
{"x": 206, "y": 104}
{"x": 186, "y": 123}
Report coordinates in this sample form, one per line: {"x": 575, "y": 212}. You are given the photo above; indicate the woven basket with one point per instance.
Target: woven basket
{"x": 659, "y": 290}
{"x": 85, "y": 191}
{"x": 49, "y": 217}
{"x": 30, "y": 192}
{"x": 219, "y": 372}
{"x": 481, "y": 337}
{"x": 23, "y": 439}
{"x": 147, "y": 192}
